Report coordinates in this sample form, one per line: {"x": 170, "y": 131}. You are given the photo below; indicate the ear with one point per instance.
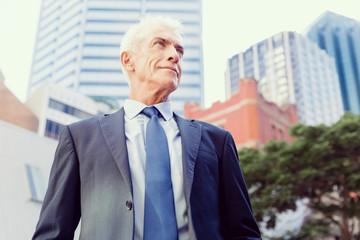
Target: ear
{"x": 126, "y": 61}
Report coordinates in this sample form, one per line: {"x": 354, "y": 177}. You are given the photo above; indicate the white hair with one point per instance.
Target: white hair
{"x": 138, "y": 32}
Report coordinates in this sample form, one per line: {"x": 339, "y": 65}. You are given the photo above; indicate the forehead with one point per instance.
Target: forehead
{"x": 163, "y": 32}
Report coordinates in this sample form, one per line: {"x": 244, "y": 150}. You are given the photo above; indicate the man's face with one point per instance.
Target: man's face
{"x": 157, "y": 60}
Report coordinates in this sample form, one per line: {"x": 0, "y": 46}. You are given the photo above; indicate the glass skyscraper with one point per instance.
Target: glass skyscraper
{"x": 78, "y": 43}
{"x": 290, "y": 69}
{"x": 339, "y": 36}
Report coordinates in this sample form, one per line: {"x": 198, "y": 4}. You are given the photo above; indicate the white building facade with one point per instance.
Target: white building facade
{"x": 291, "y": 69}
{"x": 25, "y": 162}
{"x": 57, "y": 106}
{"x": 78, "y": 45}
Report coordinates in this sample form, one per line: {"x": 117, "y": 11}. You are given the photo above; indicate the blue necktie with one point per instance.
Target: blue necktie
{"x": 159, "y": 214}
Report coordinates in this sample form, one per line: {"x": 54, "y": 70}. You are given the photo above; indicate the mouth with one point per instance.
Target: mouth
{"x": 170, "y": 68}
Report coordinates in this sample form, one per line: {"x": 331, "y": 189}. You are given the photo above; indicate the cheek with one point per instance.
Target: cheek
{"x": 180, "y": 70}
{"x": 153, "y": 58}
{"x": 152, "y": 63}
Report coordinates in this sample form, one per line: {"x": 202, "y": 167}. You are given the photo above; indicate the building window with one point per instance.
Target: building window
{"x": 277, "y": 40}
{"x": 248, "y": 57}
{"x": 273, "y": 132}
{"x": 354, "y": 64}
{"x": 53, "y": 129}
{"x": 341, "y": 72}
{"x": 68, "y": 109}
{"x": 36, "y": 183}
{"x": 262, "y": 48}
{"x": 234, "y": 61}
{"x": 280, "y": 134}
{"x": 322, "y": 42}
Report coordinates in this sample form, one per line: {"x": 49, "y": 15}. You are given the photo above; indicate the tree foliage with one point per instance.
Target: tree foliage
{"x": 322, "y": 165}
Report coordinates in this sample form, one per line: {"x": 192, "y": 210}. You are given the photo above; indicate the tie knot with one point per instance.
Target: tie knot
{"x": 150, "y": 111}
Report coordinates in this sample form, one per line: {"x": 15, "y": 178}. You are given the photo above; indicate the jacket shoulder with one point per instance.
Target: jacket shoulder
{"x": 90, "y": 125}
{"x": 86, "y": 123}
{"x": 93, "y": 121}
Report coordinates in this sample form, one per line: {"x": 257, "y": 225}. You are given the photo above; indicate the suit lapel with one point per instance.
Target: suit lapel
{"x": 113, "y": 128}
{"x": 190, "y": 132}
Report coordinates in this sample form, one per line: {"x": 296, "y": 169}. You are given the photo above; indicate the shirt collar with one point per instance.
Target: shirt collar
{"x": 133, "y": 108}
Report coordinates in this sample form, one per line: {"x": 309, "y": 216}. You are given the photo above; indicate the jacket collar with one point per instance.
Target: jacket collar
{"x": 190, "y": 132}
{"x": 113, "y": 128}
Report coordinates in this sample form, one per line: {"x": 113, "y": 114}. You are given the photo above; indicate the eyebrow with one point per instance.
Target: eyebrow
{"x": 177, "y": 45}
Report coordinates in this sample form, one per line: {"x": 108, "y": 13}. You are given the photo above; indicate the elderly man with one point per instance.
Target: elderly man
{"x": 144, "y": 172}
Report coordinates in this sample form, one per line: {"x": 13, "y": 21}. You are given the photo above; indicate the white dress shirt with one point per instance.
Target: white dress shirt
{"x": 135, "y": 132}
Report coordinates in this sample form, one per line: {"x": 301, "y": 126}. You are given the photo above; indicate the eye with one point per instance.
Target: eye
{"x": 160, "y": 43}
{"x": 180, "y": 51}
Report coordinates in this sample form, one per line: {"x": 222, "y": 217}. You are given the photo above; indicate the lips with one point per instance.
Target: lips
{"x": 170, "y": 68}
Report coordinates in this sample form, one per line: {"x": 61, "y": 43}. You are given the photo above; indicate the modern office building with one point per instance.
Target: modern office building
{"x": 251, "y": 120}
{"x": 290, "y": 69}
{"x": 78, "y": 42}
{"x": 339, "y": 36}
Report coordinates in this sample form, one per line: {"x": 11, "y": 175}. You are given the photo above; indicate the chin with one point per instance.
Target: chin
{"x": 172, "y": 87}
{"x": 172, "y": 82}
{"x": 168, "y": 84}
{"x": 175, "y": 84}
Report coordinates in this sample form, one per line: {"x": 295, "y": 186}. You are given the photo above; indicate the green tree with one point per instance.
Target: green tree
{"x": 322, "y": 166}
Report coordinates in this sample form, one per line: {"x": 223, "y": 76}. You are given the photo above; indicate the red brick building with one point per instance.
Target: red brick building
{"x": 15, "y": 112}
{"x": 251, "y": 119}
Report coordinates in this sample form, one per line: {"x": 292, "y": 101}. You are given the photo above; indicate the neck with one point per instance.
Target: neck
{"x": 149, "y": 97}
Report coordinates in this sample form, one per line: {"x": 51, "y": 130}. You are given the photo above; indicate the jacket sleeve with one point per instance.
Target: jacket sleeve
{"x": 237, "y": 220}
{"x": 60, "y": 213}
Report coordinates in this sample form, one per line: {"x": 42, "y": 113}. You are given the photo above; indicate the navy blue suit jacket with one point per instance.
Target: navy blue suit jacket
{"x": 90, "y": 180}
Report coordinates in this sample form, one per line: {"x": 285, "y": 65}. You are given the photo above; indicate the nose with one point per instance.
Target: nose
{"x": 173, "y": 54}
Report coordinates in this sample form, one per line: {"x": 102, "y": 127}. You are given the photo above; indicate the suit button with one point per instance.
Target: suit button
{"x": 128, "y": 205}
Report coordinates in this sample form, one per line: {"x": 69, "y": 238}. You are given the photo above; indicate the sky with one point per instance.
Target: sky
{"x": 229, "y": 27}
